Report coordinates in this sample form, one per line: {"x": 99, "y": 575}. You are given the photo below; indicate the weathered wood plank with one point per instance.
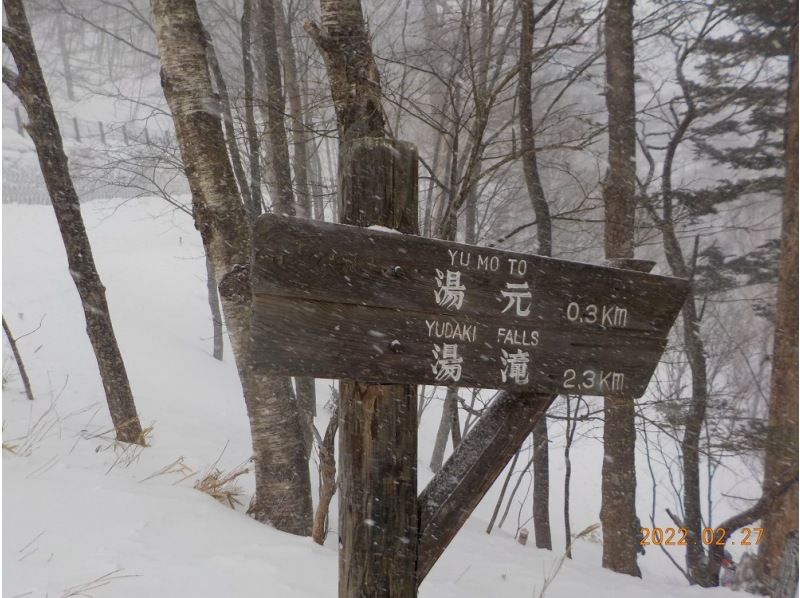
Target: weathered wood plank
{"x": 339, "y": 301}
{"x": 449, "y": 499}
{"x": 341, "y": 264}
{"x": 298, "y": 336}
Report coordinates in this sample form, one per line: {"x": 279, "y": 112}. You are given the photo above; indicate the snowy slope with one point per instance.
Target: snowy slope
{"x": 80, "y": 515}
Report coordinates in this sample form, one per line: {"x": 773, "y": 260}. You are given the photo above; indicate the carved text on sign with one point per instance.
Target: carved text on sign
{"x": 334, "y": 301}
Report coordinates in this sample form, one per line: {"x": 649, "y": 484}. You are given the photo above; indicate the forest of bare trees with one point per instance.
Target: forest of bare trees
{"x": 652, "y": 137}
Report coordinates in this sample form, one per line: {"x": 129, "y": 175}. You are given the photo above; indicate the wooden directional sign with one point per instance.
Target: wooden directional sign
{"x": 335, "y": 301}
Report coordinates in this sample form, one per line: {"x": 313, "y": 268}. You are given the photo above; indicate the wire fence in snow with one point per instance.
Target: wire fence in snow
{"x": 22, "y": 178}
{"x": 23, "y": 184}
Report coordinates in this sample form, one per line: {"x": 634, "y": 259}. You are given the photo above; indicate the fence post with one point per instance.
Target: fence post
{"x": 77, "y": 130}
{"x": 125, "y": 134}
{"x": 102, "y": 132}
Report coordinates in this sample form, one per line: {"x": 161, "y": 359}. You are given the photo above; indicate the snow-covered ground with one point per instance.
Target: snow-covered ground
{"x": 82, "y": 517}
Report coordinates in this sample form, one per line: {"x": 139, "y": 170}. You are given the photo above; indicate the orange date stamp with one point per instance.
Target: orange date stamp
{"x": 709, "y": 536}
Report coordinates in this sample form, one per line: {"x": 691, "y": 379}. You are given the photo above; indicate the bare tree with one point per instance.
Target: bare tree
{"x": 618, "y": 509}
{"x": 544, "y": 235}
{"x": 253, "y": 142}
{"x": 449, "y": 408}
{"x": 278, "y": 144}
{"x": 227, "y": 121}
{"x": 327, "y": 473}
{"x": 283, "y": 493}
{"x": 619, "y": 187}
{"x": 29, "y": 86}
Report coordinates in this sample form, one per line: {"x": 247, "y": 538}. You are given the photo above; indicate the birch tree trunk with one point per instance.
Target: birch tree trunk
{"x": 30, "y": 87}
{"x": 216, "y": 314}
{"x": 618, "y": 508}
{"x": 283, "y": 490}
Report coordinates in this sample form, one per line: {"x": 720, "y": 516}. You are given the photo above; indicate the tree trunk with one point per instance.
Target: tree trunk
{"x": 445, "y": 423}
{"x": 306, "y": 404}
{"x": 216, "y": 314}
{"x": 283, "y": 488}
{"x": 29, "y": 86}
{"x": 65, "y": 53}
{"x": 283, "y": 201}
{"x": 696, "y": 562}
{"x": 541, "y": 485}
{"x": 511, "y": 496}
{"x": 544, "y": 233}
{"x": 527, "y": 140}
{"x": 26, "y": 383}
{"x": 306, "y": 392}
{"x": 567, "y": 524}
{"x": 327, "y": 477}
{"x": 355, "y": 85}
{"x": 690, "y": 444}
{"x": 299, "y": 134}
{"x": 502, "y": 493}
{"x": 618, "y": 509}
{"x": 695, "y": 419}
{"x": 253, "y": 144}
{"x": 569, "y": 435}
{"x": 227, "y": 121}
{"x": 785, "y": 578}
{"x": 782, "y": 449}
{"x": 620, "y": 184}
{"x": 455, "y": 424}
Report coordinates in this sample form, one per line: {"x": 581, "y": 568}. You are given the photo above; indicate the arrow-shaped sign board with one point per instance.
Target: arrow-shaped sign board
{"x": 335, "y": 301}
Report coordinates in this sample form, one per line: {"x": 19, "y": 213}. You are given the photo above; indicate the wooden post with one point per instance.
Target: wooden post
{"x": 378, "y": 423}
{"x": 102, "y": 132}
{"x": 125, "y": 134}
{"x": 77, "y": 129}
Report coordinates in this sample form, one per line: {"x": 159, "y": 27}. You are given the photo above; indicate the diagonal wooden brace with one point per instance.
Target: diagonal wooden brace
{"x": 449, "y": 499}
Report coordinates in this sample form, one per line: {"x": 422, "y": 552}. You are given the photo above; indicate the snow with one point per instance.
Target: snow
{"x": 83, "y": 515}
{"x": 384, "y": 229}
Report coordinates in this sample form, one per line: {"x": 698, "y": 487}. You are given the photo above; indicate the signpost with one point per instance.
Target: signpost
{"x": 336, "y": 301}
{"x": 385, "y": 311}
